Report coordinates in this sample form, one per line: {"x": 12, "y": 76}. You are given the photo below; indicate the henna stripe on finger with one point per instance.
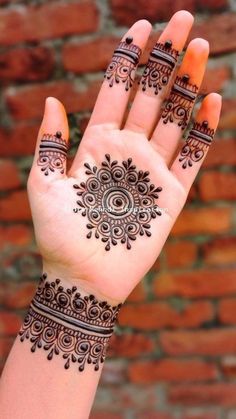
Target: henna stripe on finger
{"x": 52, "y": 153}
{"x": 160, "y": 66}
{"x": 123, "y": 64}
{"x": 197, "y": 144}
{"x": 180, "y": 102}
{"x": 63, "y": 322}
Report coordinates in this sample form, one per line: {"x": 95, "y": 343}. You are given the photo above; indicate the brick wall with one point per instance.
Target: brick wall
{"x": 174, "y": 355}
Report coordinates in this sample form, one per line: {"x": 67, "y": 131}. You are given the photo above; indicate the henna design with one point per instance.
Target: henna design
{"x": 197, "y": 144}
{"x": 123, "y": 64}
{"x": 160, "y": 66}
{"x": 180, "y": 102}
{"x": 52, "y": 153}
{"x": 118, "y": 201}
{"x": 63, "y": 322}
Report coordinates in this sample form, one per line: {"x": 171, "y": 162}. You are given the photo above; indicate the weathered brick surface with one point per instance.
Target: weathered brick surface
{"x": 26, "y": 64}
{"x": 157, "y": 315}
{"x": 174, "y": 352}
{"x": 34, "y": 23}
{"x": 201, "y": 342}
{"x": 218, "y": 394}
{"x": 171, "y": 370}
{"x": 198, "y": 283}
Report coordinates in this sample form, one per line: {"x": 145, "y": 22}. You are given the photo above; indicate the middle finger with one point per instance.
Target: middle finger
{"x": 157, "y": 74}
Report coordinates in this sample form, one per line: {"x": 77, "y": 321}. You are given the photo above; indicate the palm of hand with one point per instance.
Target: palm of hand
{"x": 62, "y": 234}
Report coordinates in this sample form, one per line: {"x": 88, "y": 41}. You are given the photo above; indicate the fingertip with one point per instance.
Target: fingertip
{"x": 140, "y": 32}
{"x": 142, "y": 23}
{"x": 199, "y": 46}
{"x": 210, "y": 109}
{"x": 54, "y": 118}
{"x": 183, "y": 16}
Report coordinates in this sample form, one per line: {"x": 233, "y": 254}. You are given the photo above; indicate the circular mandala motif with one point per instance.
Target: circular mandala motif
{"x": 119, "y": 202}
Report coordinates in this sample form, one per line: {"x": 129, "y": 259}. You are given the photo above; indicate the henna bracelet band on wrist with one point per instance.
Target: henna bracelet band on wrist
{"x": 63, "y": 322}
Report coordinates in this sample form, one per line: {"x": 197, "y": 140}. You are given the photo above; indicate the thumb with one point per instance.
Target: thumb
{"x": 52, "y": 143}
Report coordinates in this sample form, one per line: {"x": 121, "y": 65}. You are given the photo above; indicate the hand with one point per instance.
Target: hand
{"x": 136, "y": 171}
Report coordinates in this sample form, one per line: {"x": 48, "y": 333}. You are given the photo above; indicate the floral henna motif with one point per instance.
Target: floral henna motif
{"x": 52, "y": 153}
{"x": 197, "y": 144}
{"x": 63, "y": 322}
{"x": 123, "y": 64}
{"x": 160, "y": 66}
{"x": 118, "y": 201}
{"x": 180, "y": 102}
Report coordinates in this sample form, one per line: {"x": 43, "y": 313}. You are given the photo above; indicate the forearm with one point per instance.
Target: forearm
{"x": 55, "y": 364}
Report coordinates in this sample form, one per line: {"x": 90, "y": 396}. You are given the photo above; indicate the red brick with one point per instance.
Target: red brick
{"x": 10, "y": 323}
{"x": 172, "y": 370}
{"x": 127, "y": 345}
{"x": 19, "y": 295}
{"x": 228, "y": 366}
{"x": 15, "y": 207}
{"x": 28, "y": 102}
{"x": 227, "y": 311}
{"x": 219, "y": 31}
{"x": 220, "y": 251}
{"x": 126, "y": 13}
{"x": 203, "y": 220}
{"x": 217, "y": 185}
{"x": 180, "y": 254}
{"x": 215, "y": 79}
{"x": 200, "y": 283}
{"x": 15, "y": 235}
{"x": 156, "y": 315}
{"x": 5, "y": 346}
{"x": 222, "y": 151}
{"x": 18, "y": 142}
{"x": 156, "y": 266}
{"x": 217, "y": 394}
{"x": 228, "y": 115}
{"x": 26, "y": 64}
{"x": 201, "y": 342}
{"x": 34, "y": 23}
{"x": 138, "y": 294}
{"x": 9, "y": 175}
{"x": 92, "y": 55}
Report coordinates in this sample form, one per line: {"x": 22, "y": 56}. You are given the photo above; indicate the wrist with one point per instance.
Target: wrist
{"x": 66, "y": 321}
{"x": 70, "y": 277}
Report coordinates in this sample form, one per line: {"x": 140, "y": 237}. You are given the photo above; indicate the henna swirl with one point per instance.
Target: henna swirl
{"x": 159, "y": 68}
{"x": 63, "y": 322}
{"x": 197, "y": 144}
{"x": 180, "y": 102}
{"x": 118, "y": 201}
{"x": 123, "y": 65}
{"x": 52, "y": 153}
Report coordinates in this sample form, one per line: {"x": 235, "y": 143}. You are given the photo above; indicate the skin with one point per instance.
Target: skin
{"x": 61, "y": 234}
